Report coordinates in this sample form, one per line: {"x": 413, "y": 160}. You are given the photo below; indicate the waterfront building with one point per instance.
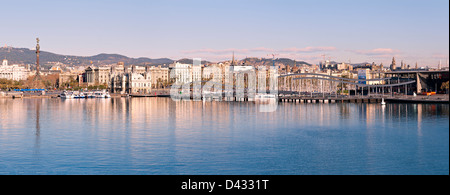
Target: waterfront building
{"x": 103, "y": 74}
{"x": 262, "y": 76}
{"x": 13, "y": 72}
{"x": 159, "y": 76}
{"x": 139, "y": 82}
{"x": 138, "y": 79}
{"x": 119, "y": 83}
{"x": 182, "y": 73}
{"x": 137, "y": 69}
{"x": 118, "y": 78}
{"x": 97, "y": 75}
{"x": 369, "y": 74}
{"x": 89, "y": 76}
{"x": 117, "y": 69}
{"x": 228, "y": 74}
{"x": 213, "y": 73}
{"x": 67, "y": 77}
{"x": 196, "y": 73}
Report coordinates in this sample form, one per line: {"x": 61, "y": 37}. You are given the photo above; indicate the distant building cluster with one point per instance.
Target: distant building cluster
{"x": 143, "y": 79}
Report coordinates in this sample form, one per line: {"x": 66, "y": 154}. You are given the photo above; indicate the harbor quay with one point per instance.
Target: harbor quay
{"x": 250, "y": 79}
{"x": 281, "y": 97}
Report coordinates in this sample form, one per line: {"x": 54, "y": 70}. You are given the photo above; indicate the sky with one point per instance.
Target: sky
{"x": 340, "y": 30}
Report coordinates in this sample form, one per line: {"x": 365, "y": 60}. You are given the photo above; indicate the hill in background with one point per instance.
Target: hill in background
{"x": 47, "y": 59}
{"x": 27, "y": 56}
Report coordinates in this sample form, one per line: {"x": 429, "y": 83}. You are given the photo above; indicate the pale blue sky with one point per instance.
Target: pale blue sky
{"x": 356, "y": 30}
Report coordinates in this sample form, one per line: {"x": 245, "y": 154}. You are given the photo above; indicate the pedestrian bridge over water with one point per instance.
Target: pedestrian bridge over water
{"x": 395, "y": 82}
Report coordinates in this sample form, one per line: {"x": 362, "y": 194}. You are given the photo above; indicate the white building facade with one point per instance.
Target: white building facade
{"x": 13, "y": 72}
{"x": 182, "y": 73}
{"x": 140, "y": 83}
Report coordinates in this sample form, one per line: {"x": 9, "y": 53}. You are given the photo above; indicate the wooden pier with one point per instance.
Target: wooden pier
{"x": 440, "y": 99}
{"x": 327, "y": 100}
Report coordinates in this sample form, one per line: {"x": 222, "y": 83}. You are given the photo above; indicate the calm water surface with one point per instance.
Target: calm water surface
{"x": 160, "y": 136}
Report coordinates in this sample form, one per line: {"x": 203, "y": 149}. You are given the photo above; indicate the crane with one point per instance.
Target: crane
{"x": 324, "y": 57}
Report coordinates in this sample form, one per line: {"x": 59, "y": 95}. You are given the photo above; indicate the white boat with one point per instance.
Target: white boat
{"x": 101, "y": 94}
{"x": 89, "y": 95}
{"x": 67, "y": 95}
{"x": 79, "y": 95}
{"x": 383, "y": 102}
{"x": 262, "y": 98}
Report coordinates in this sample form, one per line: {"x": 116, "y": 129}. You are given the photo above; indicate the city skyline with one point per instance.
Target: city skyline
{"x": 344, "y": 31}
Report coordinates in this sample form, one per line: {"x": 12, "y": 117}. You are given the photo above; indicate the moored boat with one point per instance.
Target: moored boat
{"x": 101, "y": 94}
{"x": 67, "y": 95}
{"x": 79, "y": 95}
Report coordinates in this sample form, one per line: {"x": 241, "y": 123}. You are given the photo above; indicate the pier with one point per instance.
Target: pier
{"x": 282, "y": 97}
{"x": 331, "y": 99}
{"x": 440, "y": 99}
{"x": 148, "y": 95}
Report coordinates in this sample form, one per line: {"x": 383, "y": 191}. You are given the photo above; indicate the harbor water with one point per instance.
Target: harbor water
{"x": 154, "y": 136}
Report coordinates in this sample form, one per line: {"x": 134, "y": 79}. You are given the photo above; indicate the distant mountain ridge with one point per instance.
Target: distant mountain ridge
{"x": 269, "y": 62}
{"x": 27, "y": 56}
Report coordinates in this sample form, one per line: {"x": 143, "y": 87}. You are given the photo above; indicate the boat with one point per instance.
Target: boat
{"x": 101, "y": 94}
{"x": 98, "y": 94}
{"x": 383, "y": 102}
{"x": 79, "y": 95}
{"x": 262, "y": 98}
{"x": 67, "y": 95}
{"x": 89, "y": 95}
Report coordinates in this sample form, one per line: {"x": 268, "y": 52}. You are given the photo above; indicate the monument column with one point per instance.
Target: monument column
{"x": 37, "y": 60}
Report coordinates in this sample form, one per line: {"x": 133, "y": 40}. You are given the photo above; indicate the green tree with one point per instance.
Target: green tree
{"x": 445, "y": 86}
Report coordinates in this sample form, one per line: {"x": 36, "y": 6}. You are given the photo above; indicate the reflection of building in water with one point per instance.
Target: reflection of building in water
{"x": 419, "y": 119}
{"x": 86, "y": 113}
{"x": 143, "y": 110}
{"x": 37, "y": 141}
{"x": 344, "y": 110}
{"x": 17, "y": 112}
{"x": 371, "y": 113}
{"x": 190, "y": 115}
{"x": 38, "y": 112}
{"x": 12, "y": 112}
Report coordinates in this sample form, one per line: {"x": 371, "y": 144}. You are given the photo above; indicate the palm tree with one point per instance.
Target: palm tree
{"x": 445, "y": 86}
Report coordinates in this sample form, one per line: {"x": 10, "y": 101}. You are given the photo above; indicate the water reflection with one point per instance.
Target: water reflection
{"x": 129, "y": 112}
{"x": 158, "y": 135}
{"x": 38, "y": 126}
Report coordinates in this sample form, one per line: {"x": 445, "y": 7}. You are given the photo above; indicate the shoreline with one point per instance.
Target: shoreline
{"x": 437, "y": 99}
